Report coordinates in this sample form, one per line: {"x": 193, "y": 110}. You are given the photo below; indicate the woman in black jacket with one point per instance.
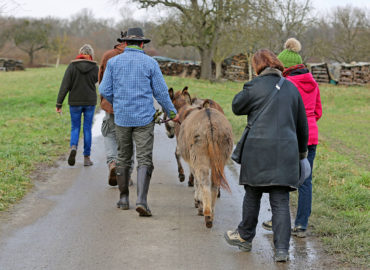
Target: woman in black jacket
{"x": 79, "y": 81}
{"x": 271, "y": 153}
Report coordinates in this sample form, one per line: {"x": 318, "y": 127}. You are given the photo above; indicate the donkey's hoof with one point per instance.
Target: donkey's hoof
{"x": 209, "y": 222}
{"x": 200, "y": 211}
{"x": 196, "y": 203}
{"x": 219, "y": 193}
{"x": 181, "y": 177}
{"x": 191, "y": 180}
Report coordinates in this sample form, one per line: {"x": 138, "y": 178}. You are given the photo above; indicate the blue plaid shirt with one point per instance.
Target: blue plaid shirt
{"x": 130, "y": 81}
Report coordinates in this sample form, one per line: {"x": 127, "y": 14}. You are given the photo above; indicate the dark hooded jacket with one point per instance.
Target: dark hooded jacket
{"x": 79, "y": 80}
{"x": 271, "y": 152}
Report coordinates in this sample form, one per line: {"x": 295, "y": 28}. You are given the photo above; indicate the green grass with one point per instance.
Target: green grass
{"x": 33, "y": 134}
{"x": 31, "y": 131}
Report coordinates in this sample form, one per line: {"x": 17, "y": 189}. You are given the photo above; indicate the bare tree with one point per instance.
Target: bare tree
{"x": 350, "y": 34}
{"x": 197, "y": 24}
{"x": 287, "y": 18}
{"x": 30, "y": 36}
{"x": 8, "y": 6}
{"x": 315, "y": 41}
{"x": 268, "y": 23}
{"x": 224, "y": 48}
{"x": 59, "y": 45}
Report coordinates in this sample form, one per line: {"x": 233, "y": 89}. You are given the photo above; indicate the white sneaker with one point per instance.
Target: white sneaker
{"x": 233, "y": 238}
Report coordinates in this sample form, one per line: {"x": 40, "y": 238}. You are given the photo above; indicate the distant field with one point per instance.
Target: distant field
{"x": 32, "y": 134}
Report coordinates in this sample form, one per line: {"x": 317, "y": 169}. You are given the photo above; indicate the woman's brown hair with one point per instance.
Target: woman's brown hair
{"x": 265, "y": 58}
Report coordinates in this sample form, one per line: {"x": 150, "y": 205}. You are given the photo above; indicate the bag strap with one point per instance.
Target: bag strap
{"x": 267, "y": 101}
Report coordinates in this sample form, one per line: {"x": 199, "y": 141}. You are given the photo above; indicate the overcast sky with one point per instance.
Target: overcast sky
{"x": 107, "y": 8}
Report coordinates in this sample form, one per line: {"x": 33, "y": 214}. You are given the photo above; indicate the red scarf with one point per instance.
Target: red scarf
{"x": 84, "y": 56}
{"x": 289, "y": 70}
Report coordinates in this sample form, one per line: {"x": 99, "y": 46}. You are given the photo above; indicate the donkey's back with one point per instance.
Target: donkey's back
{"x": 202, "y": 133}
{"x": 205, "y": 142}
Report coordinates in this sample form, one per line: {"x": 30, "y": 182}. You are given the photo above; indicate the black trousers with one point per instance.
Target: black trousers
{"x": 279, "y": 201}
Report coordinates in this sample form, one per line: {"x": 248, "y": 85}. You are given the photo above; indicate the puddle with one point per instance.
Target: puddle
{"x": 98, "y": 119}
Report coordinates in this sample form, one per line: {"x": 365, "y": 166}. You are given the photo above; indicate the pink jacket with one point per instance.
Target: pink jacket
{"x": 309, "y": 90}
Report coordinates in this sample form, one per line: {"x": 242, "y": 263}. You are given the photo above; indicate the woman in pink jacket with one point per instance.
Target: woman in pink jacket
{"x": 299, "y": 75}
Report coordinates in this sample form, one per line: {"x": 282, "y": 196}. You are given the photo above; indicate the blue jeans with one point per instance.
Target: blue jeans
{"x": 76, "y": 112}
{"x": 305, "y": 194}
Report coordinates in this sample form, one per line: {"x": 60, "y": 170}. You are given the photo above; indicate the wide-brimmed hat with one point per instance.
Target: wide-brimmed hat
{"x": 135, "y": 34}
{"x": 123, "y": 34}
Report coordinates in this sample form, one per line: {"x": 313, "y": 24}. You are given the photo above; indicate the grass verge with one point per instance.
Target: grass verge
{"x": 31, "y": 131}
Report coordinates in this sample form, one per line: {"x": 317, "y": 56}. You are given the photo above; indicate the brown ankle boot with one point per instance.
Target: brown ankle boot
{"x": 87, "y": 161}
{"x": 112, "y": 178}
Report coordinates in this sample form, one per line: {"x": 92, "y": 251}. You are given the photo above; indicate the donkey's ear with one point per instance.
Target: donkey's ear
{"x": 170, "y": 92}
{"x": 207, "y": 103}
{"x": 186, "y": 95}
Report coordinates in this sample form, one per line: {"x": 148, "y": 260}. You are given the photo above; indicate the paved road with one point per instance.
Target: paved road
{"x": 70, "y": 221}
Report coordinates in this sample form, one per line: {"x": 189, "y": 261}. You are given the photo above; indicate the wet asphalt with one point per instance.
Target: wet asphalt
{"x": 69, "y": 220}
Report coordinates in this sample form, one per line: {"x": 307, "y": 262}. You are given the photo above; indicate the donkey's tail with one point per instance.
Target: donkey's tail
{"x": 215, "y": 156}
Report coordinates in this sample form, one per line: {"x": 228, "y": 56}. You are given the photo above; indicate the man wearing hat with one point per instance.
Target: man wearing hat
{"x": 108, "y": 127}
{"x": 296, "y": 72}
{"x": 130, "y": 82}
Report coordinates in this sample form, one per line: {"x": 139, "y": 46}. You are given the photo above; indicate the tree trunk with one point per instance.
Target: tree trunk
{"x": 58, "y": 60}
{"x": 206, "y": 65}
{"x": 250, "y": 71}
{"x": 218, "y": 70}
{"x": 30, "y": 54}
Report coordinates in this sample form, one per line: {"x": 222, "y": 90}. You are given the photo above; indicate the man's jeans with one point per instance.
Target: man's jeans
{"x": 279, "y": 201}
{"x": 305, "y": 194}
{"x": 108, "y": 131}
{"x": 76, "y": 112}
{"x": 143, "y": 138}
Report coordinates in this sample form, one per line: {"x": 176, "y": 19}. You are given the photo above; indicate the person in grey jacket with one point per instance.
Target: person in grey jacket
{"x": 271, "y": 153}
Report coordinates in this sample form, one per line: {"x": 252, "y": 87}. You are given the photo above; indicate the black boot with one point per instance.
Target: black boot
{"x": 123, "y": 182}
{"x": 144, "y": 173}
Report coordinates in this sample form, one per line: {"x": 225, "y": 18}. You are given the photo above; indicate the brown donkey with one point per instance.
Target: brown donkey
{"x": 204, "y": 141}
{"x": 173, "y": 129}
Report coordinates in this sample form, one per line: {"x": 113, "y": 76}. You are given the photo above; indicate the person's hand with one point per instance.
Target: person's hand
{"x": 58, "y": 110}
{"x": 176, "y": 119}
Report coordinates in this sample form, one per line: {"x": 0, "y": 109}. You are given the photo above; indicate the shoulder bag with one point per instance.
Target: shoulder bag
{"x": 237, "y": 153}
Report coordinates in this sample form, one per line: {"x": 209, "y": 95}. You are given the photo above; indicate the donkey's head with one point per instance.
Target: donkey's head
{"x": 179, "y": 100}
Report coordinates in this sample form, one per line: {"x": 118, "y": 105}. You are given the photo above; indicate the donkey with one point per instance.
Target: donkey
{"x": 204, "y": 141}
{"x": 173, "y": 129}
